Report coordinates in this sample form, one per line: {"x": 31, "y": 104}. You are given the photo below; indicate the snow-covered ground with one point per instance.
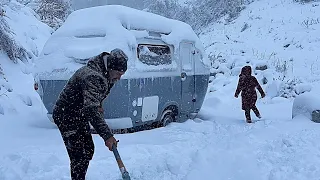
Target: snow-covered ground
{"x": 218, "y": 144}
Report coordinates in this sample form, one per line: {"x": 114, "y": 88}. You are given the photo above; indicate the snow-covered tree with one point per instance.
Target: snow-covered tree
{"x": 7, "y": 43}
{"x": 53, "y": 12}
{"x": 164, "y": 7}
{"x": 209, "y": 11}
{"x": 197, "y": 13}
{"x": 169, "y": 8}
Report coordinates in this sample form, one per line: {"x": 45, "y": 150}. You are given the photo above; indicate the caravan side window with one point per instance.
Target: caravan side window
{"x": 154, "y": 54}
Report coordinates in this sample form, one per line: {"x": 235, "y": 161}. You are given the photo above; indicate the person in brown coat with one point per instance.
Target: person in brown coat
{"x": 247, "y": 86}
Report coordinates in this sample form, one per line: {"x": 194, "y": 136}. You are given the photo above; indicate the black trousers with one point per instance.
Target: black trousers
{"x": 80, "y": 148}
{"x": 247, "y": 112}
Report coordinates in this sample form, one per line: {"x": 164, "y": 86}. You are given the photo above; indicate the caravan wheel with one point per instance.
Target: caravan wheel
{"x": 167, "y": 118}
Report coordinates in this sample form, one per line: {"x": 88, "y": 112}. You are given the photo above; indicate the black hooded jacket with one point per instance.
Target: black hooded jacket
{"x": 80, "y": 102}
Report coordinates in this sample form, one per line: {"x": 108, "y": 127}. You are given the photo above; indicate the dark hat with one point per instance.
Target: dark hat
{"x": 116, "y": 60}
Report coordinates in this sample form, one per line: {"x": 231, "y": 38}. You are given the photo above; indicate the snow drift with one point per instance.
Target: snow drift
{"x": 308, "y": 105}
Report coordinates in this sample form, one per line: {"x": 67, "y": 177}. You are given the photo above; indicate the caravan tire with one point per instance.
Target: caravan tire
{"x": 167, "y": 118}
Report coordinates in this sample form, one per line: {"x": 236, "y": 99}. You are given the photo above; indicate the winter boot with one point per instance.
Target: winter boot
{"x": 248, "y": 117}
{"x": 256, "y": 112}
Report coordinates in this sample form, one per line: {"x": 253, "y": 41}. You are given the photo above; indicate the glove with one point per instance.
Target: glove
{"x": 111, "y": 141}
{"x": 236, "y": 96}
{"x": 263, "y": 95}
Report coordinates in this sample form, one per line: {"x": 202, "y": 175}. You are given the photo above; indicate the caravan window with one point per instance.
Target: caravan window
{"x": 154, "y": 54}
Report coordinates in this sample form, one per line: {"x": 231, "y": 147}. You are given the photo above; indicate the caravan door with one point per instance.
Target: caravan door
{"x": 187, "y": 77}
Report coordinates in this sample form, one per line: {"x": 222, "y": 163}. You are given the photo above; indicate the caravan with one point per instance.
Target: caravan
{"x": 167, "y": 76}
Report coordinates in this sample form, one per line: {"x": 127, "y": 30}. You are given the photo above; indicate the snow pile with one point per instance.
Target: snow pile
{"x": 280, "y": 49}
{"x": 114, "y": 26}
{"x": 306, "y": 104}
{"x": 17, "y": 95}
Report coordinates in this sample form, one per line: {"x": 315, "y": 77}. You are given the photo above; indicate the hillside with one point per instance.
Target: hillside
{"x": 283, "y": 35}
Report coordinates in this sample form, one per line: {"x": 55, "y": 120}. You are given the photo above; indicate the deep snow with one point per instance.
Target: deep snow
{"x": 220, "y": 145}
{"x": 217, "y": 145}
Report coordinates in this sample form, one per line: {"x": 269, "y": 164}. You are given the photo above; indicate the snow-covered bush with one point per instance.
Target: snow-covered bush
{"x": 308, "y": 105}
{"x": 261, "y": 66}
{"x": 278, "y": 86}
{"x": 292, "y": 88}
{"x": 287, "y": 89}
{"x": 305, "y": 1}
{"x": 309, "y": 22}
{"x": 214, "y": 58}
{"x": 281, "y": 67}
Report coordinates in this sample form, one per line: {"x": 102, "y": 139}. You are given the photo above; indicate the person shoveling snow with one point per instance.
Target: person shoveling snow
{"x": 80, "y": 103}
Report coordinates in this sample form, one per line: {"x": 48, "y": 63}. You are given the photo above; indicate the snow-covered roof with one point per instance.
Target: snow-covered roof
{"x": 88, "y": 32}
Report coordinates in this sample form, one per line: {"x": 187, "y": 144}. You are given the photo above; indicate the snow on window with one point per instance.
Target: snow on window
{"x": 154, "y": 54}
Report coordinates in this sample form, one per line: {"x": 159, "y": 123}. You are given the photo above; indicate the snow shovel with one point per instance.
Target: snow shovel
{"x": 124, "y": 172}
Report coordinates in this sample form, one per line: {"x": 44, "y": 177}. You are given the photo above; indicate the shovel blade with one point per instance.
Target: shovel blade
{"x": 125, "y": 176}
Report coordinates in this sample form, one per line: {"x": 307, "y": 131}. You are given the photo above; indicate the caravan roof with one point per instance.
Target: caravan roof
{"x": 88, "y": 32}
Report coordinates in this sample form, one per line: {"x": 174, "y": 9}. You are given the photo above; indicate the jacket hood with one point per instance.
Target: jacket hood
{"x": 97, "y": 64}
{"x": 246, "y": 71}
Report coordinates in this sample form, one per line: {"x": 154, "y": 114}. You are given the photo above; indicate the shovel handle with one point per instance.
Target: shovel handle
{"x": 122, "y": 168}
